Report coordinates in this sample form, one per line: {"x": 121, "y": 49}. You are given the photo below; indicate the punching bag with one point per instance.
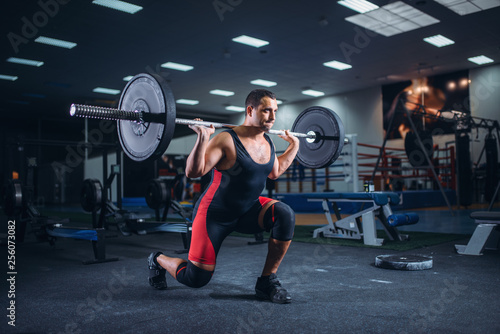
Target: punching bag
{"x": 490, "y": 147}
{"x": 464, "y": 170}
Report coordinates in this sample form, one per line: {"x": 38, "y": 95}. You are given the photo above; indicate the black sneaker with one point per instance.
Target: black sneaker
{"x": 156, "y": 272}
{"x": 270, "y": 288}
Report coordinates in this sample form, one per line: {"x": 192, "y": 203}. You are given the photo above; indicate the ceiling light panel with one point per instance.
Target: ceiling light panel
{"x": 106, "y": 91}
{"x": 312, "y": 92}
{"x": 361, "y": 6}
{"x": 392, "y": 19}
{"x": 251, "y": 41}
{"x": 265, "y": 83}
{"x": 337, "y": 65}
{"x": 465, "y": 7}
{"x": 480, "y": 60}
{"x": 221, "y": 92}
{"x": 188, "y": 102}
{"x": 235, "y": 108}
{"x": 23, "y": 61}
{"x": 118, "y": 5}
{"x": 8, "y": 77}
{"x": 439, "y": 41}
{"x": 55, "y": 42}
{"x": 177, "y": 66}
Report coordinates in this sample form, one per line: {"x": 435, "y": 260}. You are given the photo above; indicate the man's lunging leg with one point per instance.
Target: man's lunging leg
{"x": 279, "y": 218}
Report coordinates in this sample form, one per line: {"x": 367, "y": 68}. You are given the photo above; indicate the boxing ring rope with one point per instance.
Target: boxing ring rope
{"x": 357, "y": 163}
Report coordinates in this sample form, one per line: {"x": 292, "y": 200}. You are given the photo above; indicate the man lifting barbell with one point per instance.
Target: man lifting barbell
{"x": 240, "y": 160}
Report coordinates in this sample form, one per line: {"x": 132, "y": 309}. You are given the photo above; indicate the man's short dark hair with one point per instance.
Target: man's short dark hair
{"x": 253, "y": 99}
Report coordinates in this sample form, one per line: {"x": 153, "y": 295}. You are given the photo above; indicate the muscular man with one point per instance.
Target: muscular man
{"x": 239, "y": 160}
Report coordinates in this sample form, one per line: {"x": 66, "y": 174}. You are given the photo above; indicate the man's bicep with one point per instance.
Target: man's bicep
{"x": 275, "y": 172}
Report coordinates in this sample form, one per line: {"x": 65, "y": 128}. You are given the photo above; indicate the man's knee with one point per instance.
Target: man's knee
{"x": 192, "y": 276}
{"x": 280, "y": 220}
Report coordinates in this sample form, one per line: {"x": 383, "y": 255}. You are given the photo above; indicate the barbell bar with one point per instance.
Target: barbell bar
{"x": 146, "y": 121}
{"x": 113, "y": 114}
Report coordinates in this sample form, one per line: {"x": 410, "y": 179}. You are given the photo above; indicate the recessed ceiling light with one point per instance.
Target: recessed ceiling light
{"x": 106, "y": 91}
{"x": 312, "y": 92}
{"x": 264, "y": 83}
{"x": 188, "y": 102}
{"x": 279, "y": 102}
{"x": 465, "y": 7}
{"x": 337, "y": 65}
{"x": 118, "y": 5}
{"x": 128, "y": 78}
{"x": 392, "y": 19}
{"x": 235, "y": 108}
{"x": 55, "y": 42}
{"x": 247, "y": 40}
{"x": 8, "y": 77}
{"x": 177, "y": 66}
{"x": 480, "y": 60}
{"x": 22, "y": 61}
{"x": 439, "y": 41}
{"x": 221, "y": 92}
{"x": 361, "y": 6}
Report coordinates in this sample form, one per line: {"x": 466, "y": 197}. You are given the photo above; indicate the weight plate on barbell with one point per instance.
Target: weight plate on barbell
{"x": 142, "y": 140}
{"x": 319, "y": 153}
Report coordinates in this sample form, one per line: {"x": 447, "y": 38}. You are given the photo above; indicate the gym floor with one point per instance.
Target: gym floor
{"x": 334, "y": 288}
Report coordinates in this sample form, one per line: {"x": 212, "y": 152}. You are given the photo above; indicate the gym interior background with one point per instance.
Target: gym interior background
{"x": 54, "y": 165}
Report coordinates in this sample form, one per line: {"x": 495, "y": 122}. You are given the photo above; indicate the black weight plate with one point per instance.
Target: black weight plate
{"x": 413, "y": 150}
{"x": 403, "y": 262}
{"x": 323, "y": 152}
{"x": 149, "y": 94}
{"x": 13, "y": 201}
{"x": 91, "y": 195}
{"x": 158, "y": 194}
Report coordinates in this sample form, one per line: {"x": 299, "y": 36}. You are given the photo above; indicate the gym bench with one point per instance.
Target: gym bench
{"x": 485, "y": 236}
{"x": 362, "y": 224}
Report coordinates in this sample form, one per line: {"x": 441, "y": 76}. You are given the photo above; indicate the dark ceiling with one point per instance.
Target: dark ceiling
{"x": 302, "y": 36}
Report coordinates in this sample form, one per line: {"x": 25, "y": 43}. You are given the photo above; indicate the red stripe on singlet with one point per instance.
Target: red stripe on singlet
{"x": 201, "y": 249}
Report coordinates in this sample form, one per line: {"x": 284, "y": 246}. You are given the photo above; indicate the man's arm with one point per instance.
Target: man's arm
{"x": 205, "y": 154}
{"x": 284, "y": 161}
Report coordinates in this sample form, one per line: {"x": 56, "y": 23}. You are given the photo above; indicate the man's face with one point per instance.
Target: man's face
{"x": 266, "y": 113}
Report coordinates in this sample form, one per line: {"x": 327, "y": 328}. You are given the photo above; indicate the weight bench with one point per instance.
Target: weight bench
{"x": 362, "y": 224}
{"x": 485, "y": 236}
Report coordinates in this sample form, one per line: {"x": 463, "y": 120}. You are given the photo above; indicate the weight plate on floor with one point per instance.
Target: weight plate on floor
{"x": 403, "y": 262}
{"x": 413, "y": 150}
{"x": 91, "y": 195}
{"x": 147, "y": 140}
{"x": 323, "y": 151}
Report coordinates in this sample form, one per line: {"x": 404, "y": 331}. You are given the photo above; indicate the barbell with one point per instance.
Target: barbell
{"x": 146, "y": 118}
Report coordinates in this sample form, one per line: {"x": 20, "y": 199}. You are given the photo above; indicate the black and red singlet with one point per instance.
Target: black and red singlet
{"x": 231, "y": 202}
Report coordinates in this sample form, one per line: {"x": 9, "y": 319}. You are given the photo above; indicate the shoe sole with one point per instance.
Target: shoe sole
{"x": 262, "y": 296}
